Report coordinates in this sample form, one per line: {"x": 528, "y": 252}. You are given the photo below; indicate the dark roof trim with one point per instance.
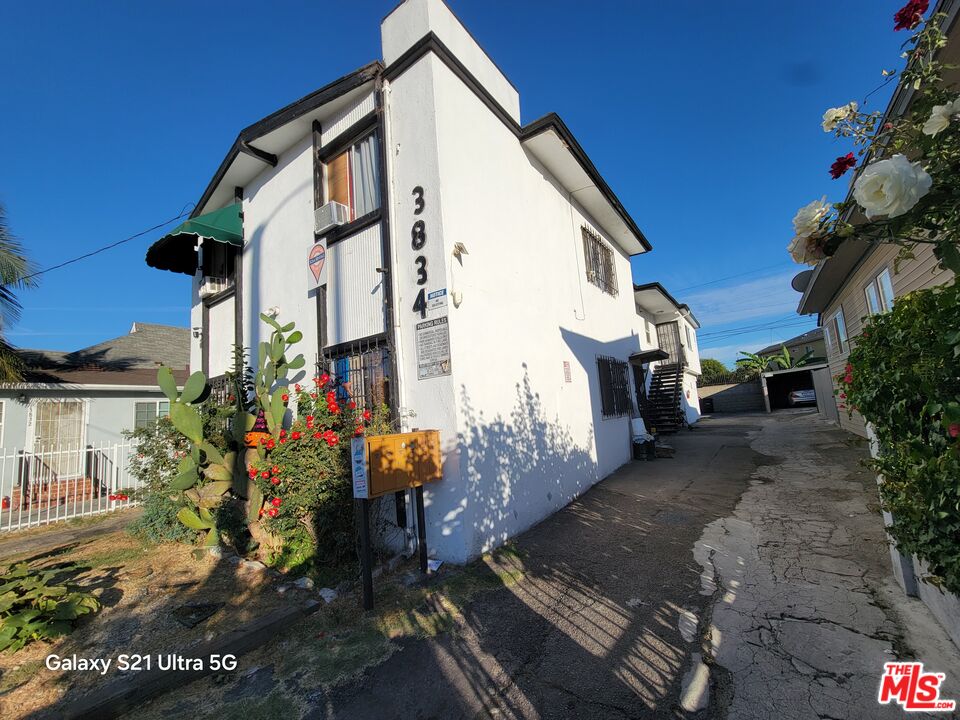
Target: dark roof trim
{"x": 553, "y": 122}
{"x": 269, "y": 158}
{"x": 431, "y": 43}
{"x": 663, "y": 291}
{"x": 285, "y": 115}
{"x": 467, "y": 30}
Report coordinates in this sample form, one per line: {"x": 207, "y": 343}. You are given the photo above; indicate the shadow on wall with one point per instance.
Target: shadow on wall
{"x": 516, "y": 471}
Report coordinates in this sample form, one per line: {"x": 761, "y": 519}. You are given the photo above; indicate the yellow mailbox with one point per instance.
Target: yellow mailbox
{"x": 397, "y": 462}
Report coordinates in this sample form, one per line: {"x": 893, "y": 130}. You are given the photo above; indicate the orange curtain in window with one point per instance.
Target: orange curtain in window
{"x": 338, "y": 180}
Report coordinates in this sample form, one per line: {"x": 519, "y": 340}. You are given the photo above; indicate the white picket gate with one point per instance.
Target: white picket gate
{"x": 38, "y": 488}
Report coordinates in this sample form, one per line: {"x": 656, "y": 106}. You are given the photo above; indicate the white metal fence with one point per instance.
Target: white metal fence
{"x": 38, "y": 488}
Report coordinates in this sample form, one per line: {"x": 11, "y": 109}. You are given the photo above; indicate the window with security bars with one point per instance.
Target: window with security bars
{"x": 360, "y": 373}
{"x": 614, "y": 387}
{"x": 599, "y": 262}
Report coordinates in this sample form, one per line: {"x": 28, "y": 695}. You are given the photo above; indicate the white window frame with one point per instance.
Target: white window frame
{"x": 835, "y": 332}
{"x": 876, "y": 286}
{"x": 155, "y": 403}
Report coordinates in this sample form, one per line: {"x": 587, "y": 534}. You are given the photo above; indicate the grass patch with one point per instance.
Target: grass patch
{"x": 122, "y": 551}
{"x": 19, "y": 675}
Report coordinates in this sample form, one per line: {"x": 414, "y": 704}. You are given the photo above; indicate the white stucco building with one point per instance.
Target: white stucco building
{"x": 479, "y": 279}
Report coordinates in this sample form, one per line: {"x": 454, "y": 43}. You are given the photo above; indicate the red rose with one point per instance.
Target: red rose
{"x": 324, "y": 379}
{"x": 260, "y": 514}
{"x": 295, "y": 436}
{"x": 366, "y": 415}
{"x": 271, "y": 444}
{"x": 848, "y": 378}
{"x": 253, "y": 473}
{"x": 352, "y": 405}
{"x": 309, "y": 418}
{"x": 272, "y": 512}
{"x": 264, "y": 474}
{"x": 275, "y": 481}
{"x": 910, "y": 15}
{"x": 282, "y": 440}
{"x": 283, "y": 433}
{"x": 275, "y": 470}
{"x": 297, "y": 387}
{"x": 842, "y": 164}
{"x": 954, "y": 430}
{"x": 318, "y": 436}
{"x": 334, "y": 408}
{"x": 358, "y": 431}
{"x": 276, "y": 502}
{"x": 284, "y": 397}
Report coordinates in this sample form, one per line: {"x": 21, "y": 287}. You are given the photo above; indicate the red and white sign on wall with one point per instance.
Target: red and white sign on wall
{"x": 906, "y": 684}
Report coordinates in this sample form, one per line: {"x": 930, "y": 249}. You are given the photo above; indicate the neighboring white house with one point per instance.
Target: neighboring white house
{"x": 472, "y": 271}
{"x": 670, "y": 326}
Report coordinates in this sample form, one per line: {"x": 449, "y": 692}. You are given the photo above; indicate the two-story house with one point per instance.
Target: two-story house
{"x": 441, "y": 256}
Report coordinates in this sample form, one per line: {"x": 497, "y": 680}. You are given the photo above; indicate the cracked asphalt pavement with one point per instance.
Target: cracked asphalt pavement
{"x": 747, "y": 577}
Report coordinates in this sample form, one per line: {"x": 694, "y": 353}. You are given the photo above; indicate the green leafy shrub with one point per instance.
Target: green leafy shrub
{"x": 32, "y": 607}
{"x": 305, "y": 477}
{"x": 903, "y": 376}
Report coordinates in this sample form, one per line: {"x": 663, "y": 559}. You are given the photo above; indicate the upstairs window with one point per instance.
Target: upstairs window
{"x": 599, "y": 262}
{"x": 614, "y": 387}
{"x": 353, "y": 177}
{"x": 879, "y": 293}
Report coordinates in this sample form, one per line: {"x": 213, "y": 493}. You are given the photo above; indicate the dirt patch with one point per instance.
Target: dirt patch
{"x": 143, "y": 589}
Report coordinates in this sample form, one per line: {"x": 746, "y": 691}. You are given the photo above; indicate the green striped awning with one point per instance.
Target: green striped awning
{"x": 175, "y": 250}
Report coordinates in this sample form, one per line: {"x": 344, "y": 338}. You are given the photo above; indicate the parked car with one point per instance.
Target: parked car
{"x": 802, "y": 397}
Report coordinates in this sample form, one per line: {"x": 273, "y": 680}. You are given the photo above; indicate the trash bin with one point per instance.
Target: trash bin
{"x": 706, "y": 405}
{"x": 642, "y": 441}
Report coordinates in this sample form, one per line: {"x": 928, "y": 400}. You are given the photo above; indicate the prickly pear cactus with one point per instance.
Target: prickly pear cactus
{"x": 205, "y": 475}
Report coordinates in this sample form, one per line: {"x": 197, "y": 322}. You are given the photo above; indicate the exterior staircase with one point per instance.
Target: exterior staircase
{"x": 664, "y": 399}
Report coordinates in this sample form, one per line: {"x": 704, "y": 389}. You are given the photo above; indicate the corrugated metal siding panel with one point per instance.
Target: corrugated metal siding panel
{"x": 355, "y": 288}
{"x": 347, "y": 117}
{"x": 916, "y": 274}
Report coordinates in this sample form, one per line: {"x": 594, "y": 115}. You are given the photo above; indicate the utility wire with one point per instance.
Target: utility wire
{"x": 182, "y": 214}
{"x": 731, "y": 277}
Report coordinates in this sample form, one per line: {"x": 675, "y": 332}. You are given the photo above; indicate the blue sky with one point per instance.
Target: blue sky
{"x": 703, "y": 117}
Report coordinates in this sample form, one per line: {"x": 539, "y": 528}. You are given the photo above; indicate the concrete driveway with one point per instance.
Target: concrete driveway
{"x": 745, "y": 578}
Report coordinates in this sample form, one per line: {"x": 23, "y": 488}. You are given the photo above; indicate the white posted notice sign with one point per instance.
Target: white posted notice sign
{"x": 433, "y": 348}
{"x": 358, "y": 459}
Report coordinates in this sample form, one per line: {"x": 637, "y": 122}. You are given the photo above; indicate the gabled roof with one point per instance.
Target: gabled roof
{"x": 244, "y": 161}
{"x": 807, "y": 337}
{"x": 130, "y": 359}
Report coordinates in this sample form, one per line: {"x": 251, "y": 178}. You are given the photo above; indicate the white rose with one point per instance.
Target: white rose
{"x": 891, "y": 187}
{"x": 833, "y": 116}
{"x": 940, "y": 116}
{"x": 807, "y": 220}
{"x": 806, "y": 250}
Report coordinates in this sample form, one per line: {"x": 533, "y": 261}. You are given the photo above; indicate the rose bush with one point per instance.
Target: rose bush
{"x": 908, "y": 175}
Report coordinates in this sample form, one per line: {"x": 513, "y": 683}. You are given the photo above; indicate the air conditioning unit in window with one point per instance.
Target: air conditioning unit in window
{"x": 329, "y": 216}
{"x": 212, "y": 285}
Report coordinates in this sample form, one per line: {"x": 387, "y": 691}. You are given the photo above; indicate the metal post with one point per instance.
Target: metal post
{"x": 421, "y": 529}
{"x": 366, "y": 556}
